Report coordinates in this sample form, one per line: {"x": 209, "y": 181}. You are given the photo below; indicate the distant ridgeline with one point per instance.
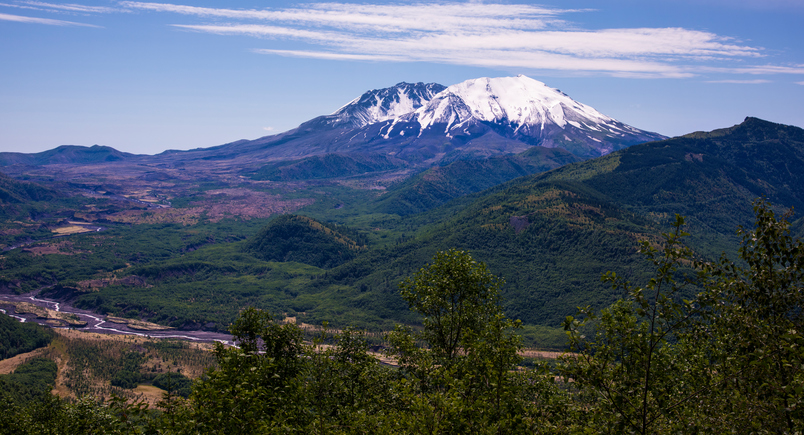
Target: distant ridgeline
{"x": 71, "y": 154}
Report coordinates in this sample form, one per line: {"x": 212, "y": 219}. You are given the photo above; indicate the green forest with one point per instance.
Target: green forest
{"x": 17, "y": 338}
{"x": 726, "y": 357}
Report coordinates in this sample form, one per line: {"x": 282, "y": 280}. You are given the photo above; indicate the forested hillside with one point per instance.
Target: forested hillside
{"x": 438, "y": 185}
{"x": 304, "y": 240}
{"x": 18, "y": 192}
{"x": 551, "y": 235}
{"x": 651, "y": 363}
{"x": 17, "y": 338}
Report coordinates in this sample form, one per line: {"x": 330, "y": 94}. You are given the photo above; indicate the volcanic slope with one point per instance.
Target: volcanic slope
{"x": 522, "y": 109}
{"x": 552, "y": 235}
{"x": 422, "y": 125}
{"x": 440, "y": 184}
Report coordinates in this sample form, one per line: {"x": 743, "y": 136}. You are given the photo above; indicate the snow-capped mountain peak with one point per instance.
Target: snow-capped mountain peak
{"x": 388, "y": 103}
{"x": 516, "y": 100}
{"x": 479, "y": 117}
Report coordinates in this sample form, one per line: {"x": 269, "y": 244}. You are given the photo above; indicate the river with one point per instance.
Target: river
{"x": 98, "y": 324}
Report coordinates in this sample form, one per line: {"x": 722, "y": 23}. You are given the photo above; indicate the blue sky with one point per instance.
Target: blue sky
{"x": 144, "y": 77}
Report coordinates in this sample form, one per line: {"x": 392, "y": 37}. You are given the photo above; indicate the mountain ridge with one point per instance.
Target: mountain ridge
{"x": 66, "y": 154}
{"x": 415, "y": 125}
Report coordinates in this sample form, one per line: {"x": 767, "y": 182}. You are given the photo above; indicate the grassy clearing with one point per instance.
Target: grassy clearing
{"x": 149, "y": 393}
{"x": 87, "y": 362}
{"x": 72, "y": 229}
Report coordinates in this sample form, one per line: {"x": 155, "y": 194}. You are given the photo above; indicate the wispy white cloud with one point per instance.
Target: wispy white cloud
{"x": 330, "y": 56}
{"x": 474, "y": 17}
{"x": 63, "y": 8}
{"x": 516, "y": 59}
{"x": 264, "y": 31}
{"x": 47, "y": 21}
{"x": 741, "y": 82}
{"x": 476, "y": 33}
{"x": 800, "y": 83}
{"x": 71, "y": 7}
{"x": 754, "y": 69}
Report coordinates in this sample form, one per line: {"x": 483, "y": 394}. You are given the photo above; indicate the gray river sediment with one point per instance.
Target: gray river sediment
{"x": 96, "y": 323}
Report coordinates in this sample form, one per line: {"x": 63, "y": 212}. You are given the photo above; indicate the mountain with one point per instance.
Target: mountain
{"x": 66, "y": 154}
{"x": 475, "y": 119}
{"x": 378, "y": 139}
{"x": 522, "y": 109}
{"x": 418, "y": 126}
{"x": 711, "y": 177}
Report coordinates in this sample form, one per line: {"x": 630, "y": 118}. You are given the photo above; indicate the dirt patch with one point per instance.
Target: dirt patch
{"x": 247, "y": 203}
{"x": 63, "y": 247}
{"x": 10, "y": 231}
{"x": 219, "y": 204}
{"x": 72, "y": 229}
{"x": 540, "y": 354}
{"x": 149, "y": 394}
{"x": 54, "y": 318}
{"x": 184, "y": 216}
{"x": 519, "y": 223}
{"x": 94, "y": 284}
{"x": 60, "y": 388}
{"x": 8, "y": 365}
{"x": 191, "y": 359}
{"x": 139, "y": 325}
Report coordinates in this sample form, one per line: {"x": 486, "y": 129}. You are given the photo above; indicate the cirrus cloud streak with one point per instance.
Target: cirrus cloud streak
{"x": 477, "y": 34}
{"x": 46, "y": 21}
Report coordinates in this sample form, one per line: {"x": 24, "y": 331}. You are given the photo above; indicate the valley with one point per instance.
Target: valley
{"x": 187, "y": 239}
{"x": 56, "y": 314}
